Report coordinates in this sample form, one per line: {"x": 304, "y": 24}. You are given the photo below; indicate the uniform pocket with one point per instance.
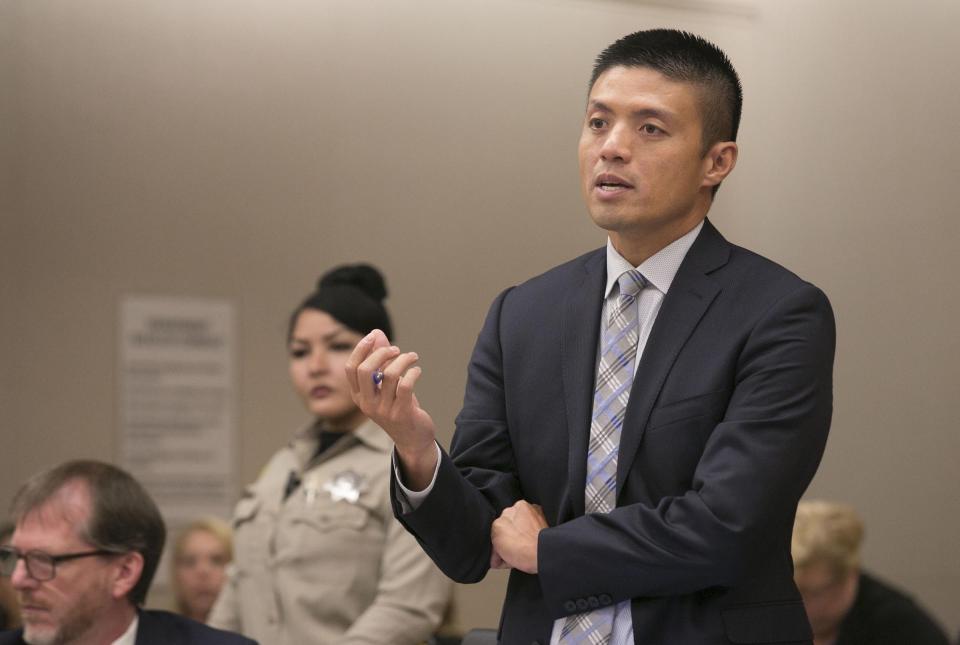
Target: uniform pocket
{"x": 351, "y": 517}
{"x": 773, "y": 622}
{"x": 337, "y": 540}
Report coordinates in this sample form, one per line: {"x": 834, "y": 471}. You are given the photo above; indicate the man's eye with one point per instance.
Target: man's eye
{"x": 649, "y": 128}
{"x": 596, "y": 123}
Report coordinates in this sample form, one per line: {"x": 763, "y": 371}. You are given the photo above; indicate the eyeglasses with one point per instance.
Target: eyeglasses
{"x": 40, "y": 566}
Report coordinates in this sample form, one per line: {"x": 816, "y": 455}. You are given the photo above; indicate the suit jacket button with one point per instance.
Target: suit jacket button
{"x": 570, "y": 606}
{"x": 605, "y": 599}
{"x": 582, "y": 604}
{"x": 593, "y": 601}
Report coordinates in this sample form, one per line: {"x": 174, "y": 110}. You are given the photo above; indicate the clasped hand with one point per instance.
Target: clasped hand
{"x": 514, "y": 537}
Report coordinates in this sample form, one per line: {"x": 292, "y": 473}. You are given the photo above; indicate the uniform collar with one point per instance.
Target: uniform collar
{"x": 306, "y": 442}
{"x": 373, "y": 436}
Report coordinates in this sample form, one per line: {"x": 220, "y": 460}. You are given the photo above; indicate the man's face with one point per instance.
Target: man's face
{"x": 61, "y": 610}
{"x": 827, "y": 597}
{"x": 642, "y": 166}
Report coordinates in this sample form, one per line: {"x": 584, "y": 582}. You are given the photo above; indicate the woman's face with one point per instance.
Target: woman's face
{"x": 199, "y": 571}
{"x": 319, "y": 348}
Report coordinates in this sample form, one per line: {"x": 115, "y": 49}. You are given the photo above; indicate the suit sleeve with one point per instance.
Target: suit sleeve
{"x": 412, "y": 595}
{"x": 453, "y": 522}
{"x": 754, "y": 467}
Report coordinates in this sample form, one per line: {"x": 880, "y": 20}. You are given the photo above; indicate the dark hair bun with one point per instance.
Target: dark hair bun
{"x": 361, "y": 276}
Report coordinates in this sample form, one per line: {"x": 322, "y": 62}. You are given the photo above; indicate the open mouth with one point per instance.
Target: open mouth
{"x": 611, "y": 183}
{"x": 612, "y": 187}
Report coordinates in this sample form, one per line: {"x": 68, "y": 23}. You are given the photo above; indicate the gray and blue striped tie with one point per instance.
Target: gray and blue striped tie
{"x": 618, "y": 350}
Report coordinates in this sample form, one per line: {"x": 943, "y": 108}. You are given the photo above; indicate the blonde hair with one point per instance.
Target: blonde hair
{"x": 212, "y": 525}
{"x": 828, "y": 533}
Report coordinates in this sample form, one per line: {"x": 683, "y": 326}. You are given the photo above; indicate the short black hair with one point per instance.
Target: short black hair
{"x": 123, "y": 517}
{"x": 353, "y": 294}
{"x": 682, "y": 56}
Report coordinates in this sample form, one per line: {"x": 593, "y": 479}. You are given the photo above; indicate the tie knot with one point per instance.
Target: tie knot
{"x": 631, "y": 282}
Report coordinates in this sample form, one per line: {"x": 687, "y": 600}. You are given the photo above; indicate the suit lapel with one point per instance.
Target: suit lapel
{"x": 580, "y": 330}
{"x": 688, "y": 299}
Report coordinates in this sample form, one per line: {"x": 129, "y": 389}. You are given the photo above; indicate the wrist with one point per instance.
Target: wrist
{"x": 417, "y": 465}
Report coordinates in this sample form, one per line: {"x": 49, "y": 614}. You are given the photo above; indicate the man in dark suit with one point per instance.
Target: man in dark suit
{"x": 87, "y": 542}
{"x": 639, "y": 423}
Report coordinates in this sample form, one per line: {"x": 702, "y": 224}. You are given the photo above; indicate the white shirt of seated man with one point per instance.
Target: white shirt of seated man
{"x": 85, "y": 603}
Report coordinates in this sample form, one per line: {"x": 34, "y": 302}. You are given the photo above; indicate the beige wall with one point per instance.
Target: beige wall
{"x": 238, "y": 148}
{"x": 7, "y": 264}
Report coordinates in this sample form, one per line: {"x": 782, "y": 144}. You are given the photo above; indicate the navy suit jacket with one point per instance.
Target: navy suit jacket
{"x": 726, "y": 424}
{"x": 163, "y": 628}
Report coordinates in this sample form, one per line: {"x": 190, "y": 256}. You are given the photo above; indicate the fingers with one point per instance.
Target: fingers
{"x": 377, "y": 360}
{"x": 374, "y": 340}
{"x": 538, "y": 512}
{"x": 406, "y": 399}
{"x": 394, "y": 373}
{"x": 382, "y": 379}
{"x": 515, "y": 538}
{"x": 525, "y": 516}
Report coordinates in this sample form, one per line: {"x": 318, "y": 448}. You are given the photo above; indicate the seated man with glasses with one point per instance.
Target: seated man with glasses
{"x": 87, "y": 542}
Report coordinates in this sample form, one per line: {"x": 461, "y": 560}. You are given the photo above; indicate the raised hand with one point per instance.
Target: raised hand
{"x": 389, "y": 400}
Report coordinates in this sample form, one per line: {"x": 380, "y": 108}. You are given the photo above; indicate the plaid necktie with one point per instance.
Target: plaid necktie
{"x": 618, "y": 343}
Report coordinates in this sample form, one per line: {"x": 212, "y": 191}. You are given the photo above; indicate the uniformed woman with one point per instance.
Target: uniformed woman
{"x": 319, "y": 557}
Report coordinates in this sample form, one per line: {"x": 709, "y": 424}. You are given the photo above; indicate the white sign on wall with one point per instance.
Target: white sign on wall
{"x": 177, "y": 398}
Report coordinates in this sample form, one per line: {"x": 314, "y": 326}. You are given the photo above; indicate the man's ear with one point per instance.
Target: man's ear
{"x": 719, "y": 162}
{"x": 128, "y": 572}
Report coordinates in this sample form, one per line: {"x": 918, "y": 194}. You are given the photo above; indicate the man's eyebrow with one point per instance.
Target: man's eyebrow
{"x": 600, "y": 106}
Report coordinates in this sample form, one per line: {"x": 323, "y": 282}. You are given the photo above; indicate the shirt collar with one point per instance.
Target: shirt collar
{"x": 129, "y": 637}
{"x": 659, "y": 269}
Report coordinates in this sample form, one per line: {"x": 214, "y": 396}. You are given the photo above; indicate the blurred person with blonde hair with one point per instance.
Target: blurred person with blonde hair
{"x": 845, "y": 605}
{"x": 199, "y": 563}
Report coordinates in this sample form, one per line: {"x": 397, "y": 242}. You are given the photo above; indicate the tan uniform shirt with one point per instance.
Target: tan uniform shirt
{"x": 330, "y": 564}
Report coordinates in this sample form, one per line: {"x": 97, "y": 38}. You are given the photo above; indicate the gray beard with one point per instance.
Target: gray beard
{"x": 62, "y": 635}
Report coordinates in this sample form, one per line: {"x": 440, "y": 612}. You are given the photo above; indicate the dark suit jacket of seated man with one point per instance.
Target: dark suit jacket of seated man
{"x": 162, "y": 628}
{"x": 727, "y": 418}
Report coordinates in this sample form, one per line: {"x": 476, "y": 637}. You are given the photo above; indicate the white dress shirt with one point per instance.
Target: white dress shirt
{"x": 129, "y": 637}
